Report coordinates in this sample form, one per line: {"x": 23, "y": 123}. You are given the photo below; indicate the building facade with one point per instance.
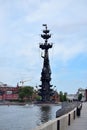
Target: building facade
{"x": 8, "y": 93}
{"x": 83, "y": 92}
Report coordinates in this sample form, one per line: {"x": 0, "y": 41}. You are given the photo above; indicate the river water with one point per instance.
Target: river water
{"x": 15, "y": 117}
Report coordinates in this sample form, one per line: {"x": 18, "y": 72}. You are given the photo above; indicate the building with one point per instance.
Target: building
{"x": 84, "y": 94}
{"x": 55, "y": 97}
{"x": 72, "y": 97}
{"x": 8, "y": 92}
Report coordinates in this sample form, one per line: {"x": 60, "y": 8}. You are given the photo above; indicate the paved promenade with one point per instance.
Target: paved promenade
{"x": 80, "y": 123}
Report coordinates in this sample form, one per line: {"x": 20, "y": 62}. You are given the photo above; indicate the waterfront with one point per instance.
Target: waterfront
{"x": 17, "y": 117}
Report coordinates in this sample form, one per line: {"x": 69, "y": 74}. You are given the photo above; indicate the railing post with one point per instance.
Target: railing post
{"x": 69, "y": 119}
{"x": 74, "y": 115}
{"x": 58, "y": 124}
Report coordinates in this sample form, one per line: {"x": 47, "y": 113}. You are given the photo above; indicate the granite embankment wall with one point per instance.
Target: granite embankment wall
{"x": 64, "y": 117}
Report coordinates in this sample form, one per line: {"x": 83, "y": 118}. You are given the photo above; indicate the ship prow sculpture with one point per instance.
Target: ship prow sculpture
{"x": 45, "y": 90}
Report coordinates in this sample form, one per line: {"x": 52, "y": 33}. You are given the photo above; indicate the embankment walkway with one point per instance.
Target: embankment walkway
{"x": 81, "y": 122}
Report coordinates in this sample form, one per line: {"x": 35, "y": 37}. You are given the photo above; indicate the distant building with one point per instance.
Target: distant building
{"x": 55, "y": 97}
{"x": 8, "y": 92}
{"x": 83, "y": 92}
{"x": 72, "y": 97}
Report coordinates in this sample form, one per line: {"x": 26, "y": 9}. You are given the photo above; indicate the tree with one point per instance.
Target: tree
{"x": 65, "y": 97}
{"x": 21, "y": 95}
{"x": 61, "y": 96}
{"x": 26, "y": 92}
{"x": 80, "y": 97}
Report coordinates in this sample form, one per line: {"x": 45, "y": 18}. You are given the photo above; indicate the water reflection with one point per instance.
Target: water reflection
{"x": 25, "y": 117}
{"x": 45, "y": 113}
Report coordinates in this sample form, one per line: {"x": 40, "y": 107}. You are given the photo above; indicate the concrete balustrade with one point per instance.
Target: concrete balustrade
{"x": 60, "y": 123}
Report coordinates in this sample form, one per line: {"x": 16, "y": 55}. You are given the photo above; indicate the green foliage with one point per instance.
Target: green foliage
{"x": 63, "y": 96}
{"x": 38, "y": 98}
{"x": 21, "y": 95}
{"x": 25, "y": 92}
{"x": 80, "y": 96}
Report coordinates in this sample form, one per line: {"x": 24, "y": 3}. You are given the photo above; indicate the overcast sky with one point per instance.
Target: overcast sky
{"x": 20, "y": 28}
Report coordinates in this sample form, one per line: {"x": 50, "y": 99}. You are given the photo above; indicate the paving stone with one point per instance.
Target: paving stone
{"x": 80, "y": 123}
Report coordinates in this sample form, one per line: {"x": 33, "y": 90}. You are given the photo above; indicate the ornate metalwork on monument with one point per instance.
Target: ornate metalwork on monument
{"x": 46, "y": 91}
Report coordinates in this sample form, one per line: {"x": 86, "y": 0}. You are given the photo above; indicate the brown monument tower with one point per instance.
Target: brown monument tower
{"x": 46, "y": 90}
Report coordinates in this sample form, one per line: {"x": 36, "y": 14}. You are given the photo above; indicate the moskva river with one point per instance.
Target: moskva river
{"x": 15, "y": 117}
